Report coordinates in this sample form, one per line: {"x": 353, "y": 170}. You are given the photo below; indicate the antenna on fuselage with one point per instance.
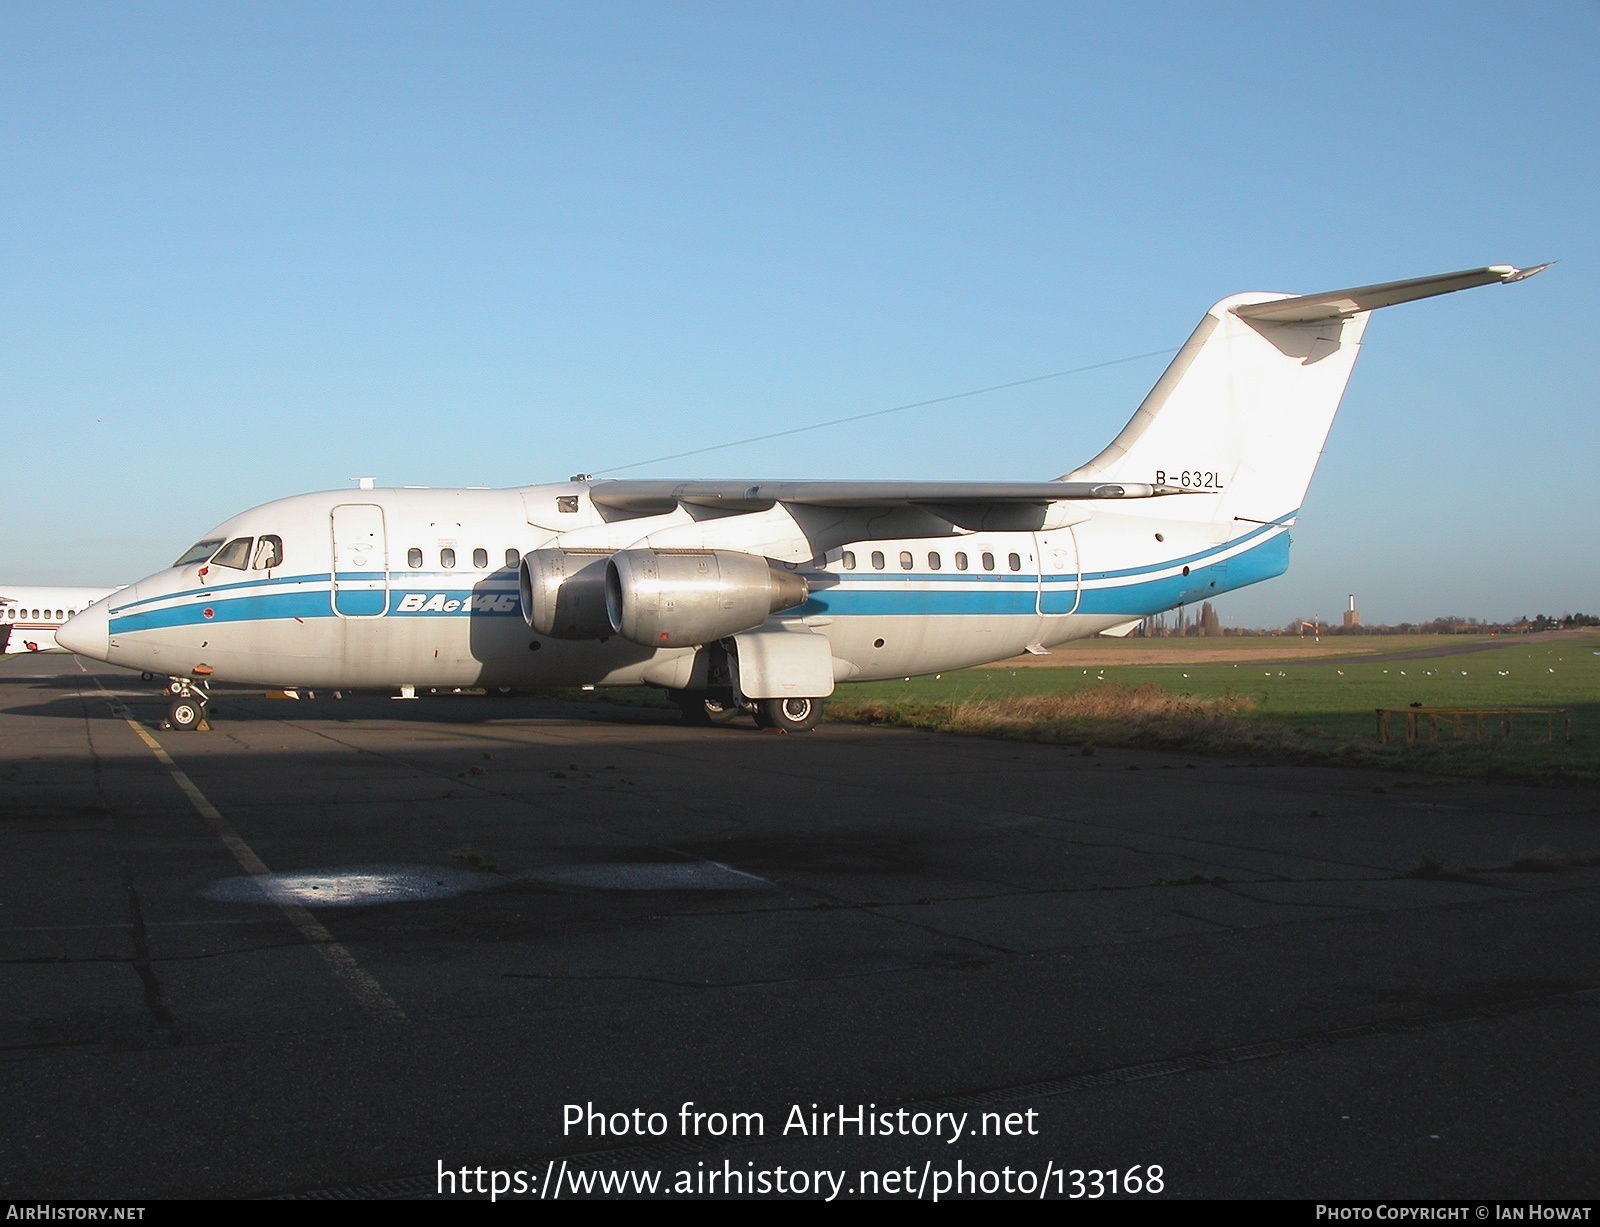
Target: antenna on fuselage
{"x": 365, "y": 483}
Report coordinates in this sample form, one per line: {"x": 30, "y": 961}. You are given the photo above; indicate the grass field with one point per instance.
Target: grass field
{"x": 1317, "y": 711}
{"x": 1233, "y": 648}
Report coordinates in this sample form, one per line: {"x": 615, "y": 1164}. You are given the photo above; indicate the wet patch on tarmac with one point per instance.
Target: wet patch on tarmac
{"x": 351, "y": 886}
{"x": 375, "y": 885}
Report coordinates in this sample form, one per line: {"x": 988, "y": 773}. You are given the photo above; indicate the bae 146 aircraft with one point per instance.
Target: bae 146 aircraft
{"x": 31, "y": 615}
{"x": 763, "y": 595}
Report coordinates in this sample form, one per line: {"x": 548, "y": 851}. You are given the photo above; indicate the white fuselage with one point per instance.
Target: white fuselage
{"x": 420, "y": 587}
{"x": 369, "y": 587}
{"x": 31, "y": 613}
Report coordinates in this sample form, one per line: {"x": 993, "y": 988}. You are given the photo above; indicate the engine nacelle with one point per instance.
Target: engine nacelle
{"x": 685, "y": 598}
{"x": 564, "y": 593}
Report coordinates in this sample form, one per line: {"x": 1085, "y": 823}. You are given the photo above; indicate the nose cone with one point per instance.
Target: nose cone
{"x": 87, "y": 633}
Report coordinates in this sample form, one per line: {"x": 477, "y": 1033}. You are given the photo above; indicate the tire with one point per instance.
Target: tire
{"x": 700, "y": 709}
{"x": 789, "y": 715}
{"x": 185, "y": 715}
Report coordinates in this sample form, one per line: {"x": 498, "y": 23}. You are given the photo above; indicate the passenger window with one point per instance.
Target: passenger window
{"x": 905, "y": 560}
{"x": 988, "y": 561}
{"x": 236, "y": 554}
{"x": 72, "y": 613}
{"x": 413, "y": 558}
{"x": 60, "y": 615}
{"x": 1014, "y": 561}
{"x": 480, "y": 559}
{"x": 877, "y": 560}
{"x": 36, "y": 615}
{"x": 961, "y": 561}
{"x": 512, "y": 558}
{"x": 848, "y": 560}
{"x": 934, "y": 561}
{"x": 269, "y": 552}
{"x": 447, "y": 558}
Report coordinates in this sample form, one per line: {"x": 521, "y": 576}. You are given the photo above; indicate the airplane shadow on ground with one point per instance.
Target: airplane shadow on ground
{"x": 79, "y": 699}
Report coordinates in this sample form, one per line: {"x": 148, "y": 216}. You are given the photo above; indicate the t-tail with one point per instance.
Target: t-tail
{"x": 1241, "y": 414}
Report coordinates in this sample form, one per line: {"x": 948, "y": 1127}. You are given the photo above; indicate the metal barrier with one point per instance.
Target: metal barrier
{"x": 1454, "y": 716}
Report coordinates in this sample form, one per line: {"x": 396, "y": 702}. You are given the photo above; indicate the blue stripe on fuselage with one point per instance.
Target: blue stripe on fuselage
{"x": 847, "y": 600}
{"x": 315, "y": 603}
{"x": 864, "y": 596}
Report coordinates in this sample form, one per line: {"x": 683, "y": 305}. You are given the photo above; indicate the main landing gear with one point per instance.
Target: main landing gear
{"x": 189, "y": 701}
{"x": 788, "y": 715}
{"x": 701, "y": 707}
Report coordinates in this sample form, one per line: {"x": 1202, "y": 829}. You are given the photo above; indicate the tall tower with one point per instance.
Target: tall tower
{"x": 1351, "y": 617}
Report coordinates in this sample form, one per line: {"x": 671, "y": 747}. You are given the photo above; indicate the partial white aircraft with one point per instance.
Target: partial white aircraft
{"x": 762, "y": 595}
{"x": 30, "y": 615}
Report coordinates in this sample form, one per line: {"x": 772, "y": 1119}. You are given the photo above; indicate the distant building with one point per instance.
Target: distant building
{"x": 1351, "y": 617}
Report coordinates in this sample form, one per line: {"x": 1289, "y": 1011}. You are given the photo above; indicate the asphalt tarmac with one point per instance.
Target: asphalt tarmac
{"x": 332, "y": 945}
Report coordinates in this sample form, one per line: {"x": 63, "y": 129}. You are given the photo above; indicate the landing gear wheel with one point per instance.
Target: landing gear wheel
{"x": 700, "y": 709}
{"x": 788, "y": 715}
{"x": 185, "y": 714}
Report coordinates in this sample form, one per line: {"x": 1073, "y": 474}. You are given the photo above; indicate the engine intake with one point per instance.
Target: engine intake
{"x": 683, "y": 599}
{"x": 564, "y": 593}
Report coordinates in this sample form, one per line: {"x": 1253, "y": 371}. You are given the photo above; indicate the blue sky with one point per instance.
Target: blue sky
{"x": 252, "y": 250}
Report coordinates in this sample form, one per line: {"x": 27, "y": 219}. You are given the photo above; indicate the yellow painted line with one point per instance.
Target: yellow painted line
{"x": 361, "y": 983}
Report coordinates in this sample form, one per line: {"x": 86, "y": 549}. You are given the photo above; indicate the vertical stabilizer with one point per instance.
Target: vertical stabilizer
{"x": 1242, "y": 412}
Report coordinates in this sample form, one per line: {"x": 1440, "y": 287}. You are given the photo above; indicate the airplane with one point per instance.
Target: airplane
{"x": 31, "y": 615}
{"x": 758, "y": 595}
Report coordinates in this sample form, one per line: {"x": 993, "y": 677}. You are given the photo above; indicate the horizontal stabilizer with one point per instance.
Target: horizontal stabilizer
{"x": 1342, "y": 304}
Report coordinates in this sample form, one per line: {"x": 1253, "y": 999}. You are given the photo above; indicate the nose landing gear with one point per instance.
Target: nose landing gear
{"x": 190, "y": 700}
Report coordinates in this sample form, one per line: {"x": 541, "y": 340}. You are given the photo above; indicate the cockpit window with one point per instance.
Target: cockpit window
{"x": 269, "y": 553}
{"x": 235, "y": 554}
{"x": 199, "y": 551}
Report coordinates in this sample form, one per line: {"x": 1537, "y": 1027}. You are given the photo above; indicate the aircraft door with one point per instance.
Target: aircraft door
{"x": 360, "y": 561}
{"x": 1060, "y": 584}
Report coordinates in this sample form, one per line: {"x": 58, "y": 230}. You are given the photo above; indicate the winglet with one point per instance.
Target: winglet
{"x": 1522, "y": 274}
{"x": 1342, "y": 304}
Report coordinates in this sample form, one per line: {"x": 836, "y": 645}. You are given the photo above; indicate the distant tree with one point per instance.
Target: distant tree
{"x": 1210, "y": 624}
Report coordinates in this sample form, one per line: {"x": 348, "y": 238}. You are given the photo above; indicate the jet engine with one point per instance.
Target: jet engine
{"x": 674, "y": 599}
{"x": 564, "y": 593}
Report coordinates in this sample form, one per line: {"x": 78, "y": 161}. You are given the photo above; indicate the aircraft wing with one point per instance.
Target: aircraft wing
{"x": 647, "y": 497}
{"x": 1342, "y": 304}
